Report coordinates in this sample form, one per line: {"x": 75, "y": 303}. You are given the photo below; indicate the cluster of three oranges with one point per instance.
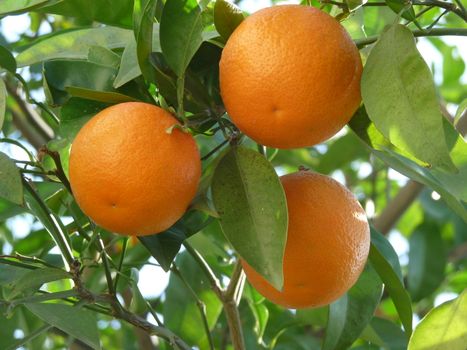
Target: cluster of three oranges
{"x": 289, "y": 77}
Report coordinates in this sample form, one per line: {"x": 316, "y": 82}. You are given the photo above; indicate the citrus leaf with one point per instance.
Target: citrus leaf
{"x": 444, "y": 327}
{"x": 143, "y": 22}
{"x": 3, "y": 97}
{"x": 129, "y": 68}
{"x": 227, "y": 17}
{"x": 101, "y": 55}
{"x": 392, "y": 282}
{"x": 386, "y": 249}
{"x": 77, "y": 322}
{"x": 34, "y": 279}
{"x": 251, "y": 203}
{"x": 114, "y": 12}
{"x": 164, "y": 246}
{"x": 180, "y": 310}
{"x": 7, "y": 61}
{"x": 385, "y": 334}
{"x": 11, "y": 188}
{"x": 400, "y": 98}
{"x": 355, "y": 4}
{"x": 181, "y": 31}
{"x": 74, "y": 44}
{"x": 349, "y": 315}
{"x": 427, "y": 261}
{"x": 100, "y": 96}
{"x": 403, "y": 7}
{"x": 8, "y": 7}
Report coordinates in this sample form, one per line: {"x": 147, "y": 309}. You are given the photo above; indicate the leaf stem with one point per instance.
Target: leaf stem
{"x": 108, "y": 274}
{"x": 120, "y": 263}
{"x": 417, "y": 33}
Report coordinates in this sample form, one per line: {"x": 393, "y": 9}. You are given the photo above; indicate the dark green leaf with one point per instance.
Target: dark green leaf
{"x": 164, "y": 246}
{"x": 10, "y": 274}
{"x": 3, "y": 97}
{"x": 77, "y": 322}
{"x": 7, "y": 61}
{"x": 10, "y": 180}
{"x": 403, "y": 7}
{"x": 349, "y": 315}
{"x": 75, "y": 113}
{"x": 386, "y": 249}
{"x": 392, "y": 284}
{"x": 251, "y": 203}
{"x": 444, "y": 327}
{"x": 180, "y": 33}
{"x": 427, "y": 261}
{"x": 180, "y": 310}
{"x": 227, "y": 17}
{"x": 100, "y": 96}
{"x": 74, "y": 44}
{"x": 115, "y": 12}
{"x": 400, "y": 97}
{"x": 386, "y": 334}
{"x": 34, "y": 279}
{"x": 143, "y": 22}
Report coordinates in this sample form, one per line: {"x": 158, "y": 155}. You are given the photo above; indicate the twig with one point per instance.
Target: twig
{"x": 397, "y": 206}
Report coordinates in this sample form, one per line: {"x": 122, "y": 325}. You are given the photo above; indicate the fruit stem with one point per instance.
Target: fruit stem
{"x": 417, "y": 33}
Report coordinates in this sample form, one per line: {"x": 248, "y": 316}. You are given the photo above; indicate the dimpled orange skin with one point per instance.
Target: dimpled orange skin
{"x": 327, "y": 244}
{"x": 290, "y": 76}
{"x": 129, "y": 174}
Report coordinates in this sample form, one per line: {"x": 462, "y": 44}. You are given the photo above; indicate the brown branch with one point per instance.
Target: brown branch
{"x": 397, "y": 206}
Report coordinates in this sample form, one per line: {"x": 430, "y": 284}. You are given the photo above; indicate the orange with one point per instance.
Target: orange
{"x": 328, "y": 242}
{"x": 290, "y": 76}
{"x": 129, "y": 173}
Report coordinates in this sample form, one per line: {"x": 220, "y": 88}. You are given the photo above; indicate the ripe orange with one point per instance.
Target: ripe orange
{"x": 327, "y": 244}
{"x": 129, "y": 174}
{"x": 290, "y": 76}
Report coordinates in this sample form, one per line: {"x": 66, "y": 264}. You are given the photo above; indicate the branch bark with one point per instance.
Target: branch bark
{"x": 397, "y": 206}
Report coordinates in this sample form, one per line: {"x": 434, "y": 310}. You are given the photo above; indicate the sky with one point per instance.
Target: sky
{"x": 153, "y": 280}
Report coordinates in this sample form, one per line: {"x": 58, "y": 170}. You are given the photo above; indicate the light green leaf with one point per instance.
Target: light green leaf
{"x": 8, "y": 7}
{"x": 74, "y": 44}
{"x": 34, "y": 279}
{"x": 385, "y": 334}
{"x": 180, "y": 33}
{"x": 251, "y": 202}
{"x": 392, "y": 283}
{"x": 227, "y": 17}
{"x": 10, "y": 180}
{"x": 77, "y": 322}
{"x": 349, "y": 315}
{"x": 101, "y": 55}
{"x": 427, "y": 261}
{"x": 129, "y": 68}
{"x": 400, "y": 98}
{"x": 403, "y": 7}
{"x": 3, "y": 97}
{"x": 444, "y": 327}
{"x": 355, "y": 4}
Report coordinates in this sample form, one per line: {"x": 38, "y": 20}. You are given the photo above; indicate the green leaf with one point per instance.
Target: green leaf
{"x": 444, "y": 327}
{"x": 164, "y": 246}
{"x": 181, "y": 33}
{"x": 392, "y": 283}
{"x": 180, "y": 310}
{"x": 9, "y": 274}
{"x": 400, "y": 98}
{"x": 143, "y": 22}
{"x": 73, "y": 44}
{"x": 386, "y": 334}
{"x": 3, "y": 97}
{"x": 386, "y": 249}
{"x": 75, "y": 113}
{"x": 115, "y": 12}
{"x": 403, "y": 7}
{"x": 101, "y": 55}
{"x": 427, "y": 261}
{"x": 34, "y": 279}
{"x": 129, "y": 67}
{"x": 227, "y": 17}
{"x": 86, "y": 80}
{"x": 77, "y": 322}
{"x": 7, "y": 61}
{"x": 349, "y": 315}
{"x": 451, "y": 187}
{"x": 8, "y": 7}
{"x": 10, "y": 180}
{"x": 138, "y": 304}
{"x": 251, "y": 203}
{"x": 355, "y": 4}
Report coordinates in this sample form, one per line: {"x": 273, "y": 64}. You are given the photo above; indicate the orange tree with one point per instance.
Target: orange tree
{"x": 155, "y": 74}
